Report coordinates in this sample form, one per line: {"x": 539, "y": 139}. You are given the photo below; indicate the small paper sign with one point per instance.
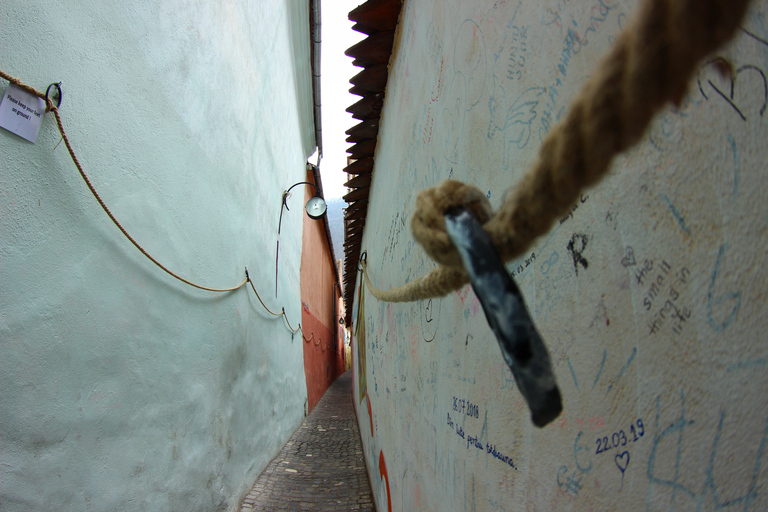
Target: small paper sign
{"x": 21, "y": 112}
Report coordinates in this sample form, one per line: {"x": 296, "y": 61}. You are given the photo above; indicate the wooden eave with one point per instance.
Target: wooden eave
{"x": 368, "y": 107}
{"x": 363, "y": 149}
{"x": 377, "y": 14}
{"x": 378, "y": 20}
{"x": 362, "y": 180}
{"x": 361, "y": 166}
{"x": 376, "y": 48}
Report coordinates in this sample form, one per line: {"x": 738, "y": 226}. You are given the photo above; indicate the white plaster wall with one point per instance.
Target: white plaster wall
{"x": 677, "y": 410}
{"x": 120, "y": 387}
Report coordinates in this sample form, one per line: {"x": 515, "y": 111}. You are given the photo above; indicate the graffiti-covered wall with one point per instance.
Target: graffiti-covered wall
{"x": 649, "y": 294}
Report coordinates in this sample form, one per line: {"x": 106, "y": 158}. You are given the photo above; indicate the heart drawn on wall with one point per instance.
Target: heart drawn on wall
{"x": 629, "y": 259}
{"x": 622, "y": 461}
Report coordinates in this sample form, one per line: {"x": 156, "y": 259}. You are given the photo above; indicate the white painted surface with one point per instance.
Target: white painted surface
{"x": 120, "y": 387}
{"x": 473, "y": 88}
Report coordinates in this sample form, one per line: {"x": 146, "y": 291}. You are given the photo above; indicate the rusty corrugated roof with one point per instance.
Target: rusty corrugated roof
{"x": 378, "y": 20}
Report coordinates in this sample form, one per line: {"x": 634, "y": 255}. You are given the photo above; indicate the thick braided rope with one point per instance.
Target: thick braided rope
{"x": 650, "y": 65}
{"x": 21, "y": 85}
{"x": 117, "y": 223}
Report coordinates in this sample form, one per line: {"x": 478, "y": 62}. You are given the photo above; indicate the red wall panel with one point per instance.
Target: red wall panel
{"x": 323, "y": 355}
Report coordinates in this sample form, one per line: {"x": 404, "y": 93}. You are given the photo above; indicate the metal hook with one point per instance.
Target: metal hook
{"x": 57, "y": 94}
{"x": 521, "y": 345}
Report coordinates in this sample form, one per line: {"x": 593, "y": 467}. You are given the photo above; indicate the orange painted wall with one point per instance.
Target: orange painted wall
{"x": 323, "y": 349}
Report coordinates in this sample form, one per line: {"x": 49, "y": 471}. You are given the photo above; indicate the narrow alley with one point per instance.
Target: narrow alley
{"x": 394, "y": 255}
{"x": 321, "y": 467}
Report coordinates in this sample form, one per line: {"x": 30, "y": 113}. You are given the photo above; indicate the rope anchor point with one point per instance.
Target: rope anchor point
{"x": 509, "y": 319}
{"x": 57, "y": 95}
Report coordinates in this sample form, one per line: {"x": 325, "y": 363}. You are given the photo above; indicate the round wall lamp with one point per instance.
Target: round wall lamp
{"x": 316, "y": 207}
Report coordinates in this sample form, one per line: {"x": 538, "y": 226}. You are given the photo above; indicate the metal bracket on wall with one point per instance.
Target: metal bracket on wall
{"x": 521, "y": 345}
{"x": 57, "y": 94}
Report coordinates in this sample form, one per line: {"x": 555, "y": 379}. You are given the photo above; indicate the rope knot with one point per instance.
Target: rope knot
{"x": 428, "y": 224}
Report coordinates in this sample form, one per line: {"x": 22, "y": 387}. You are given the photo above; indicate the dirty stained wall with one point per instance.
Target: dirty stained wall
{"x": 650, "y": 294}
{"x": 120, "y": 387}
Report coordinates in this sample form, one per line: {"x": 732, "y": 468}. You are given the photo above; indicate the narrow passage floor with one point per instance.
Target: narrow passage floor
{"x": 321, "y": 467}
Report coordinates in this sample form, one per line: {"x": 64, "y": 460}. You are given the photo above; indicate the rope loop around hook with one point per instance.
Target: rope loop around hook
{"x": 57, "y": 95}
{"x": 428, "y": 223}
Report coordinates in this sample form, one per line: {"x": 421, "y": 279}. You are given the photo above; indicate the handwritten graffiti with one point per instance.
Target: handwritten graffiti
{"x": 622, "y": 461}
{"x": 595, "y": 422}
{"x": 547, "y": 265}
{"x": 518, "y": 51}
{"x": 397, "y": 226}
{"x": 430, "y": 316}
{"x": 712, "y": 301}
{"x": 466, "y": 407}
{"x": 469, "y": 301}
{"x": 575, "y": 206}
{"x": 467, "y": 85}
{"x": 622, "y": 370}
{"x": 735, "y": 153}
{"x": 598, "y": 15}
{"x": 576, "y": 247}
{"x": 571, "y": 484}
{"x": 676, "y": 214}
{"x": 491, "y": 449}
{"x": 516, "y": 119}
{"x": 671, "y": 491}
{"x": 519, "y": 266}
{"x": 754, "y": 78}
{"x": 665, "y": 286}
{"x": 620, "y": 439}
{"x": 573, "y": 43}
{"x": 552, "y": 16}
{"x": 476, "y": 443}
{"x": 629, "y": 257}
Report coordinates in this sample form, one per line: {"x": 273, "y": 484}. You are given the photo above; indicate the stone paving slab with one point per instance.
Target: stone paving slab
{"x": 321, "y": 467}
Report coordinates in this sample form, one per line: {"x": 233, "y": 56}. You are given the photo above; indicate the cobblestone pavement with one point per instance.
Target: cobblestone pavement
{"x": 321, "y": 467}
